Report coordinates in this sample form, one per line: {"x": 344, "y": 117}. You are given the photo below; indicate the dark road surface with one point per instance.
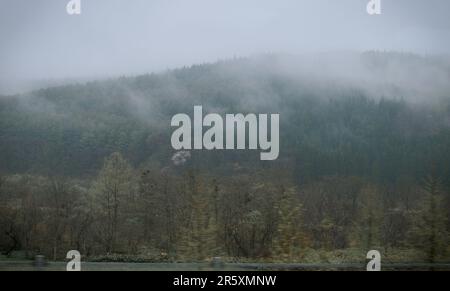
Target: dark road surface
{"x": 91, "y": 266}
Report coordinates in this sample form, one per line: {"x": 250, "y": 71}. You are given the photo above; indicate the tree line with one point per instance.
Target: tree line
{"x": 182, "y": 214}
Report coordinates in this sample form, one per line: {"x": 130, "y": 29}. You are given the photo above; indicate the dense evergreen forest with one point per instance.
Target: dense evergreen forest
{"x": 364, "y": 164}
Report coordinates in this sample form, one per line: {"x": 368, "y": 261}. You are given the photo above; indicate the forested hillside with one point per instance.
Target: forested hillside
{"x": 364, "y": 163}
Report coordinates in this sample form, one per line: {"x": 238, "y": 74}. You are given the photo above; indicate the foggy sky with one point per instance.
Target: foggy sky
{"x": 39, "y": 40}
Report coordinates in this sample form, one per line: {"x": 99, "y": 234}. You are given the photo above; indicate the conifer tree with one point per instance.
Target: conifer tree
{"x": 290, "y": 238}
{"x": 198, "y": 239}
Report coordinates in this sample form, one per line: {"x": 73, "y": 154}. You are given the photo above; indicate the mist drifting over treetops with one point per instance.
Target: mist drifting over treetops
{"x": 255, "y": 83}
{"x": 329, "y": 103}
{"x": 42, "y": 45}
{"x": 229, "y": 56}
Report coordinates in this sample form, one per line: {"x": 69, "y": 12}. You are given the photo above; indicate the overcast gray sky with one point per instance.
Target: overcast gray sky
{"x": 39, "y": 40}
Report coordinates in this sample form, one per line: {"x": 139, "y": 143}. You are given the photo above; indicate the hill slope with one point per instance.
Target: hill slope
{"x": 384, "y": 115}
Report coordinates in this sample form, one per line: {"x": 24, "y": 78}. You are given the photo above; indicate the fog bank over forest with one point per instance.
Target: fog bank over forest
{"x": 320, "y": 98}
{"x": 397, "y": 75}
{"x": 115, "y": 37}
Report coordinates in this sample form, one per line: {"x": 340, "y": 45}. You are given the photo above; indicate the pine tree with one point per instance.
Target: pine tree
{"x": 290, "y": 238}
{"x": 198, "y": 239}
